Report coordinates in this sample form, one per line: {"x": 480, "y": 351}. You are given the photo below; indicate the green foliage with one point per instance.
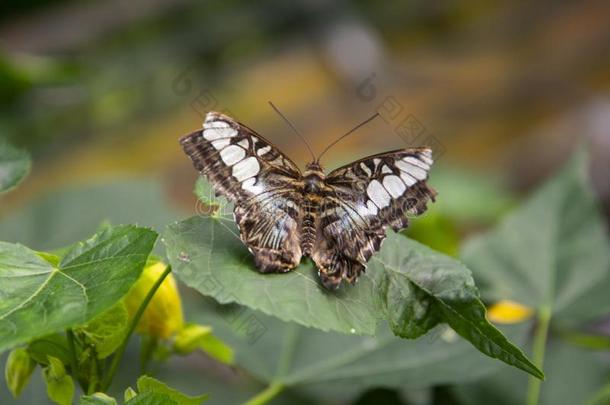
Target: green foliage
{"x": 339, "y": 367}
{"x": 60, "y": 387}
{"x": 153, "y": 391}
{"x": 97, "y": 399}
{"x": 539, "y": 254}
{"x": 411, "y": 286}
{"x": 55, "y": 345}
{"x": 197, "y": 337}
{"x": 107, "y": 331}
{"x": 551, "y": 254}
{"x": 40, "y": 298}
{"x": 19, "y": 369}
{"x": 14, "y": 165}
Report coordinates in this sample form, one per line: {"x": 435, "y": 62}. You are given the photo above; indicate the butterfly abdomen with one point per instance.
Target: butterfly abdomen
{"x": 311, "y": 204}
{"x": 313, "y": 184}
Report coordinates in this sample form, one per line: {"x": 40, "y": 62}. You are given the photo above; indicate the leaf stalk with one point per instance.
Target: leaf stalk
{"x": 540, "y": 337}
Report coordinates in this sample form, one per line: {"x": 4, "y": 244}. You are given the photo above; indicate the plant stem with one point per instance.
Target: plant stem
{"x": 266, "y": 395}
{"x": 540, "y": 336}
{"x": 148, "y": 344}
{"x": 73, "y": 359}
{"x": 290, "y": 341}
{"x": 116, "y": 359}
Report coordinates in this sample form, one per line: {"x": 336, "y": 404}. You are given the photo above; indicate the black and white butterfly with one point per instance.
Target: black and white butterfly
{"x": 338, "y": 220}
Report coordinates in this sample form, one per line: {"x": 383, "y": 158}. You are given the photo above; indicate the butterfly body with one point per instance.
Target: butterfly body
{"x": 338, "y": 220}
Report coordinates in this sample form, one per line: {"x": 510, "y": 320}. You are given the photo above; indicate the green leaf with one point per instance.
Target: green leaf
{"x": 411, "y": 286}
{"x": 19, "y": 369}
{"x": 130, "y": 393}
{"x": 14, "y": 165}
{"x": 55, "y": 345}
{"x": 60, "y": 387}
{"x": 601, "y": 397}
{"x": 106, "y": 331}
{"x": 38, "y": 298}
{"x": 551, "y": 252}
{"x": 151, "y": 398}
{"x": 148, "y": 384}
{"x": 551, "y": 255}
{"x": 335, "y": 367}
{"x": 97, "y": 399}
{"x": 197, "y": 337}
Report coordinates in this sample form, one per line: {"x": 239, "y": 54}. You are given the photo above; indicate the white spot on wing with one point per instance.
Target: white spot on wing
{"x": 244, "y": 143}
{"x": 221, "y": 143}
{"x": 232, "y": 154}
{"x": 245, "y": 169}
{"x": 366, "y": 169}
{"x": 415, "y": 171}
{"x": 213, "y": 117}
{"x": 385, "y": 169}
{"x": 249, "y": 185}
{"x": 426, "y": 156}
{"x": 377, "y": 194}
{"x": 372, "y": 208}
{"x": 416, "y": 162}
{"x": 409, "y": 180}
{"x": 212, "y": 134}
{"x": 264, "y": 150}
{"x": 394, "y": 185}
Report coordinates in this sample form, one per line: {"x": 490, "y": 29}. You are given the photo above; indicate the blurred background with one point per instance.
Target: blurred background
{"x": 100, "y": 92}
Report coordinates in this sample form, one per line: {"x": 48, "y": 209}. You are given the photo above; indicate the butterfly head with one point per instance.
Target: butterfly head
{"x": 314, "y": 167}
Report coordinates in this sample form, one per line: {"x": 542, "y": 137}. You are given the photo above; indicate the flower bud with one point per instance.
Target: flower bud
{"x": 163, "y": 316}
{"x": 508, "y": 312}
{"x": 19, "y": 369}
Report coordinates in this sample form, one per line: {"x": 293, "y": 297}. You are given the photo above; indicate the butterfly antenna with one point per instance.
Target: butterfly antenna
{"x": 313, "y": 155}
{"x": 348, "y": 133}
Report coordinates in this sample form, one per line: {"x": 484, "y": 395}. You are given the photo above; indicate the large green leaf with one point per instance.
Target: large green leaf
{"x": 335, "y": 367}
{"x": 553, "y": 252}
{"x": 411, "y": 286}
{"x": 14, "y": 165}
{"x": 38, "y": 298}
{"x": 553, "y": 255}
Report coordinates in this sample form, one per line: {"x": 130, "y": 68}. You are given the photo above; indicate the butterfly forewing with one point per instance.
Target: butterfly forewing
{"x": 363, "y": 199}
{"x": 259, "y": 179}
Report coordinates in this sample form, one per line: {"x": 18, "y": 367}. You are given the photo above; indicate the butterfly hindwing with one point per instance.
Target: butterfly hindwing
{"x": 365, "y": 198}
{"x": 246, "y": 169}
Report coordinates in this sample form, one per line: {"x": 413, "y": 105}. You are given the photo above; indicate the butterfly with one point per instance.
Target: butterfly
{"x": 338, "y": 220}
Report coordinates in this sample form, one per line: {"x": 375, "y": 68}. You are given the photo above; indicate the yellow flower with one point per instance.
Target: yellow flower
{"x": 507, "y": 312}
{"x": 163, "y": 317}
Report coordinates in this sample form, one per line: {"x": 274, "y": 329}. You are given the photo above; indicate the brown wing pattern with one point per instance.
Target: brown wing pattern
{"x": 365, "y": 198}
{"x": 259, "y": 179}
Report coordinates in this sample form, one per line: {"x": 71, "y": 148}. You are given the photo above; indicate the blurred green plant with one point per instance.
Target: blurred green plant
{"x": 82, "y": 294}
{"x": 552, "y": 255}
{"x": 14, "y": 165}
